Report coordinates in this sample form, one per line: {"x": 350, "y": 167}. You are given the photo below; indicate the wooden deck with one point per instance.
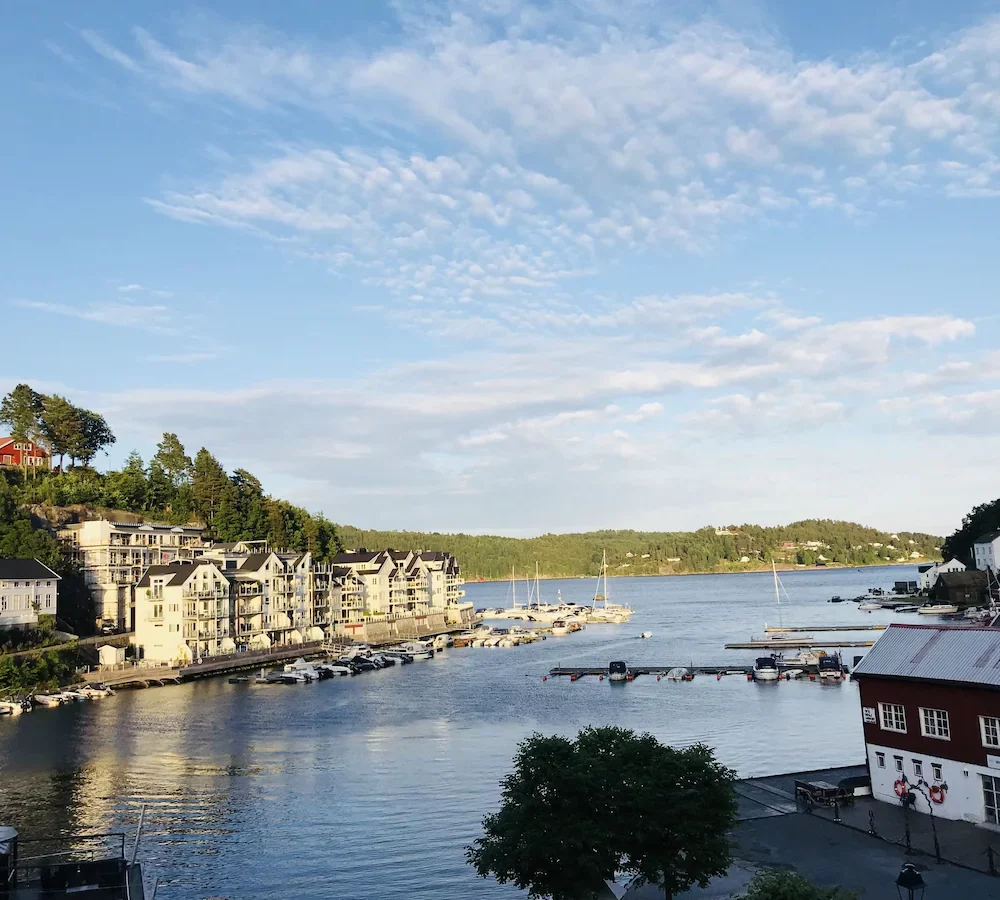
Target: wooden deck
{"x": 661, "y": 670}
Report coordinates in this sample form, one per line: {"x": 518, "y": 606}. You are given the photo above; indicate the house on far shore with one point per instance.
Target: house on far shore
{"x": 928, "y": 574}
{"x": 970, "y": 588}
{"x": 17, "y": 454}
{"x": 27, "y": 588}
{"x": 930, "y": 705}
{"x": 986, "y": 551}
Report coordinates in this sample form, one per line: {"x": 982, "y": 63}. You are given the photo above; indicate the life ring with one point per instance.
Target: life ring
{"x": 900, "y": 788}
{"x": 937, "y": 793}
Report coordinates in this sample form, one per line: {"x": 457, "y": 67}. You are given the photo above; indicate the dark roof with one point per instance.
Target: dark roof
{"x": 176, "y": 569}
{"x": 432, "y": 555}
{"x": 356, "y": 556}
{"x": 25, "y": 568}
{"x": 254, "y": 561}
{"x": 955, "y": 653}
{"x": 987, "y": 538}
{"x": 968, "y": 578}
{"x": 397, "y": 555}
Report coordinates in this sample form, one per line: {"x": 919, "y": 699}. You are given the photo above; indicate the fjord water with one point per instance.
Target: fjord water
{"x": 372, "y": 786}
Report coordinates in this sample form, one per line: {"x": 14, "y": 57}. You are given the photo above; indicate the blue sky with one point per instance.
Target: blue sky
{"x": 514, "y": 267}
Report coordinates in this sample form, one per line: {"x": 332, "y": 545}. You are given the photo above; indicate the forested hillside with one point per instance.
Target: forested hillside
{"x": 648, "y": 553}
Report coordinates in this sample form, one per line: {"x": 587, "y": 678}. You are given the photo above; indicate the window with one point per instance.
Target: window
{"x": 991, "y": 798}
{"x": 899, "y": 763}
{"x": 989, "y": 727}
{"x": 934, "y": 724}
{"x": 880, "y": 760}
{"x": 936, "y": 771}
{"x": 918, "y": 769}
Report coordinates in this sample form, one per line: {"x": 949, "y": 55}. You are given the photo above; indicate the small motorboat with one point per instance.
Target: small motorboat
{"x": 619, "y": 671}
{"x": 443, "y": 642}
{"x": 11, "y": 708}
{"x": 646, "y": 634}
{"x": 49, "y": 699}
{"x": 559, "y": 628}
{"x": 836, "y": 600}
{"x": 869, "y": 606}
{"x": 96, "y": 691}
{"x": 418, "y": 649}
{"x": 74, "y": 696}
{"x": 679, "y": 673}
{"x": 906, "y": 608}
{"x": 765, "y": 669}
{"x": 937, "y": 609}
{"x": 791, "y": 674}
{"x": 830, "y": 667}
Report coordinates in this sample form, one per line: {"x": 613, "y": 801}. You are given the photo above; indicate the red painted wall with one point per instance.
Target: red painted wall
{"x": 16, "y": 456}
{"x": 964, "y": 703}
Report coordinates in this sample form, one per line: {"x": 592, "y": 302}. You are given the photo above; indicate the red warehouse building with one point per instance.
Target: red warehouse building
{"x": 23, "y": 453}
{"x": 930, "y": 698}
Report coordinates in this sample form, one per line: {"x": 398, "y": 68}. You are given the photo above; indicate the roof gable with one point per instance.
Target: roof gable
{"x": 28, "y": 569}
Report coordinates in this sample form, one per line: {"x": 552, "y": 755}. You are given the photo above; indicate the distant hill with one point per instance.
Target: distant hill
{"x": 725, "y": 549}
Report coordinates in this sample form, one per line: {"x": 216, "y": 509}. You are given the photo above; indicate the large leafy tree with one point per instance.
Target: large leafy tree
{"x": 575, "y": 812}
{"x": 93, "y": 436}
{"x": 981, "y": 519}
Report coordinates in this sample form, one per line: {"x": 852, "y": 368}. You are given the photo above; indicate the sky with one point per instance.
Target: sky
{"x": 513, "y": 267}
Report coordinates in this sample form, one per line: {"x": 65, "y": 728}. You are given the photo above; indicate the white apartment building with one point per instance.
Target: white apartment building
{"x": 986, "y": 552}
{"x": 406, "y": 583}
{"x": 114, "y": 555}
{"x": 183, "y": 612}
{"x": 27, "y": 588}
{"x": 928, "y": 575}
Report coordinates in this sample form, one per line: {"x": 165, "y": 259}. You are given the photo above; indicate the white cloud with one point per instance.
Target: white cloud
{"x": 646, "y": 411}
{"x": 148, "y": 317}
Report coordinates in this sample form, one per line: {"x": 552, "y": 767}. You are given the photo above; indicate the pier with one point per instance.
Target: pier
{"x": 576, "y": 672}
{"x": 799, "y": 629}
{"x": 795, "y": 644}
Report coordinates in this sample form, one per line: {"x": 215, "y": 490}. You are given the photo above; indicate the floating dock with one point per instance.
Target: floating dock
{"x": 792, "y": 644}
{"x": 792, "y": 629}
{"x": 575, "y": 672}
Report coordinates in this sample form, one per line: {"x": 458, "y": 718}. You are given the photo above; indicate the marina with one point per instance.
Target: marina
{"x": 411, "y": 754}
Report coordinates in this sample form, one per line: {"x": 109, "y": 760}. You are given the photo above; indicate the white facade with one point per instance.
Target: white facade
{"x": 110, "y": 656}
{"x": 986, "y": 552}
{"x": 928, "y": 578}
{"x": 27, "y": 589}
{"x": 965, "y": 797}
{"x": 182, "y": 612}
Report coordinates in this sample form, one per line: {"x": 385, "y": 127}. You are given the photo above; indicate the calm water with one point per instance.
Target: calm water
{"x": 372, "y": 786}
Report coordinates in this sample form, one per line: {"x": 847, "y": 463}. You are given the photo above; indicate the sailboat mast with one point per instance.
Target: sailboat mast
{"x": 538, "y": 594}
{"x": 513, "y": 587}
{"x": 777, "y": 593}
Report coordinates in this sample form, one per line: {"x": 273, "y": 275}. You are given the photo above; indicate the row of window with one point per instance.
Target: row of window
{"x": 15, "y": 601}
{"x": 934, "y": 723}
{"x": 918, "y": 766}
{"x": 27, "y": 584}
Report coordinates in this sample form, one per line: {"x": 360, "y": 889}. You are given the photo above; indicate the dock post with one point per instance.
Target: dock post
{"x": 871, "y": 823}
{"x": 990, "y": 860}
{"x": 836, "y": 810}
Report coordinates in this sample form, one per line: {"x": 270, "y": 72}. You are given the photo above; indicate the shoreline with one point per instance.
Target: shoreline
{"x": 781, "y": 567}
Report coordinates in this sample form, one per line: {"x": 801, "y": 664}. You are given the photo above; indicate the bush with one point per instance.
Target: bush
{"x": 781, "y": 884}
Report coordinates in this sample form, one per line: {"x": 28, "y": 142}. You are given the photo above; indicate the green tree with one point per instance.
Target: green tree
{"x": 173, "y": 459}
{"x": 779, "y": 884}
{"x": 617, "y": 802}
{"x": 127, "y": 489}
{"x": 208, "y": 483}
{"x": 61, "y": 426}
{"x": 160, "y": 490}
{"x": 94, "y": 436}
{"x": 981, "y": 519}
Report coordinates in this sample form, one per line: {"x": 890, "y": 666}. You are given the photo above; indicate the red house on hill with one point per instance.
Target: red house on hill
{"x": 18, "y": 454}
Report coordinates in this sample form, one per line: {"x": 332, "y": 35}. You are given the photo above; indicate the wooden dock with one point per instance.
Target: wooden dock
{"x": 803, "y": 629}
{"x": 796, "y": 645}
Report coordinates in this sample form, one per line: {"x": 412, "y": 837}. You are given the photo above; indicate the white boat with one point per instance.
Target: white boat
{"x": 96, "y": 691}
{"x": 868, "y": 606}
{"x": 443, "y": 642}
{"x": 418, "y": 649}
{"x": 805, "y": 658}
{"x": 335, "y": 668}
{"x": 906, "y": 608}
{"x": 678, "y": 673}
{"x": 507, "y": 642}
{"x": 765, "y": 669}
{"x": 792, "y": 674}
{"x": 611, "y": 612}
{"x": 646, "y": 634}
{"x": 938, "y": 609}
{"x": 619, "y": 671}
{"x": 559, "y": 628}
{"x": 10, "y": 708}
{"x": 301, "y": 667}
{"x": 49, "y": 699}
{"x": 74, "y": 696}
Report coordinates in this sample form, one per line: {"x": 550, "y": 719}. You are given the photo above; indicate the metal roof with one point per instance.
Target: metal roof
{"x": 936, "y": 653}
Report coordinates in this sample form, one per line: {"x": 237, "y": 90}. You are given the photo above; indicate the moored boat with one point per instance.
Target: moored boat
{"x": 646, "y": 634}
{"x": 937, "y": 609}
{"x": 765, "y": 668}
{"x": 49, "y": 699}
{"x": 619, "y": 671}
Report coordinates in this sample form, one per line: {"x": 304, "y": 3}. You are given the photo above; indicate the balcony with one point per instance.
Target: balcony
{"x": 207, "y": 593}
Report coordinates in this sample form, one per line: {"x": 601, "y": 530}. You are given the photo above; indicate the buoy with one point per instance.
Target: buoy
{"x": 545, "y": 678}
{"x": 573, "y": 677}
{"x": 600, "y": 678}
{"x": 629, "y": 678}
{"x": 657, "y": 677}
{"x": 843, "y": 676}
{"x": 749, "y": 676}
{"x": 812, "y": 676}
{"x": 718, "y": 676}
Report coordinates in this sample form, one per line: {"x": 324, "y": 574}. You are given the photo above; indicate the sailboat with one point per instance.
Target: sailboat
{"x": 603, "y": 611}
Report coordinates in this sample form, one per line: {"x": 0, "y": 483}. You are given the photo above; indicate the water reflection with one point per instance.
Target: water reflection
{"x": 375, "y": 784}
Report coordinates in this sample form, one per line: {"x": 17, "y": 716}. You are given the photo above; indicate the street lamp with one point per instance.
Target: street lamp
{"x": 909, "y": 883}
